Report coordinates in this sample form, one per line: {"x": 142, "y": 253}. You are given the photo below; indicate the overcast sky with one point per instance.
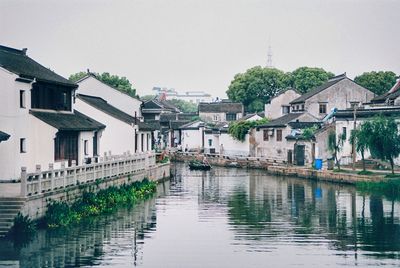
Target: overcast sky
{"x": 202, "y": 44}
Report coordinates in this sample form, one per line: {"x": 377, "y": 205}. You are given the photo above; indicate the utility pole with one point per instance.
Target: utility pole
{"x": 354, "y": 104}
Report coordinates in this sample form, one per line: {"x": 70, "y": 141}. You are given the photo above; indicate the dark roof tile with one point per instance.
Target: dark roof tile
{"x": 4, "y": 136}
{"x": 16, "y": 61}
{"x": 281, "y": 121}
{"x": 220, "y": 107}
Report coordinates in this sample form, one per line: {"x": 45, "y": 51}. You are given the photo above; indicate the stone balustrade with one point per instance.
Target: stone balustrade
{"x": 108, "y": 166}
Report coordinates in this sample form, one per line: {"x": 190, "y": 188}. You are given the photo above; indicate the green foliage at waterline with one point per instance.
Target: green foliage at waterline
{"x": 23, "y": 229}
{"x": 390, "y": 188}
{"x": 239, "y": 129}
{"x": 61, "y": 214}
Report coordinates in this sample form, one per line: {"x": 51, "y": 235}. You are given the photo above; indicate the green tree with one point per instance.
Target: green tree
{"x": 378, "y": 82}
{"x": 120, "y": 83}
{"x": 306, "y": 78}
{"x": 335, "y": 145}
{"x": 384, "y": 139}
{"x": 360, "y": 138}
{"x": 256, "y": 86}
{"x": 184, "y": 106}
{"x": 239, "y": 129}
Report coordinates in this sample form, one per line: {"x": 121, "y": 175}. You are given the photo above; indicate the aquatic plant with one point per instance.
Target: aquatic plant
{"x": 60, "y": 213}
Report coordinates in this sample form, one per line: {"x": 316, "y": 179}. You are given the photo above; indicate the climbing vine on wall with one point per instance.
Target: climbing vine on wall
{"x": 239, "y": 129}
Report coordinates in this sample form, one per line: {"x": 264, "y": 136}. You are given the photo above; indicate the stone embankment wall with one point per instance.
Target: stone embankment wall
{"x": 278, "y": 168}
{"x": 35, "y": 206}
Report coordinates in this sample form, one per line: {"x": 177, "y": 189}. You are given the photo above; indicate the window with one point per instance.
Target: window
{"x": 22, "y": 145}
{"x": 215, "y": 117}
{"x": 22, "y": 99}
{"x": 344, "y": 133}
{"x": 230, "y": 117}
{"x": 302, "y": 107}
{"x": 279, "y": 135}
{"x": 285, "y": 109}
{"x": 322, "y": 108}
{"x": 209, "y": 142}
{"x": 265, "y": 134}
{"x": 86, "y": 147}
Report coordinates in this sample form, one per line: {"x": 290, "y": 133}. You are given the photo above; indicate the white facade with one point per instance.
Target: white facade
{"x": 280, "y": 104}
{"x": 192, "y": 136}
{"x": 93, "y": 87}
{"x": 31, "y": 141}
{"x": 118, "y": 137}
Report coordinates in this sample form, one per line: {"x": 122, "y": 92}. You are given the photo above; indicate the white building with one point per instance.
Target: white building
{"x": 219, "y": 141}
{"x": 190, "y": 96}
{"x": 224, "y": 111}
{"x": 36, "y": 111}
{"x": 90, "y": 85}
{"x": 192, "y": 136}
{"x": 280, "y": 104}
{"x": 122, "y": 133}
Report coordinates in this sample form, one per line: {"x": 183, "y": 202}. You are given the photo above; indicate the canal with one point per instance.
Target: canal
{"x": 227, "y": 218}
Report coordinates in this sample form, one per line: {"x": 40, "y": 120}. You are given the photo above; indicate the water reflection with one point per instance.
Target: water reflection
{"x": 229, "y": 218}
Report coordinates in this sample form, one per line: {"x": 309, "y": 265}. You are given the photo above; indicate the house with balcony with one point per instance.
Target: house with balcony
{"x": 223, "y": 111}
{"x": 38, "y": 116}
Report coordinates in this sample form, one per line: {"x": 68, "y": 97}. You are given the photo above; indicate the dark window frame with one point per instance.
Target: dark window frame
{"x": 22, "y": 99}
{"x": 265, "y": 135}
{"x": 279, "y": 135}
{"x": 322, "y": 108}
{"x": 22, "y": 145}
{"x": 231, "y": 117}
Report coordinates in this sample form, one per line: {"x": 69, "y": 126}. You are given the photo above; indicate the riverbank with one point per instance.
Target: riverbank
{"x": 279, "y": 169}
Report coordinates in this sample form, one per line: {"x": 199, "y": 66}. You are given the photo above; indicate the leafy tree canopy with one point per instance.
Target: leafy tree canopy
{"x": 256, "y": 86}
{"x": 184, "y": 106}
{"x": 378, "y": 82}
{"x": 120, "y": 83}
{"x": 239, "y": 129}
{"x": 383, "y": 138}
{"x": 306, "y": 78}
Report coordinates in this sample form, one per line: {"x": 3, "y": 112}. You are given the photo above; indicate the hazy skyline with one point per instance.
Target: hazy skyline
{"x": 201, "y": 45}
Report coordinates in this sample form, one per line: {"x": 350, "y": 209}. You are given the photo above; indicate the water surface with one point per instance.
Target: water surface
{"x": 228, "y": 218}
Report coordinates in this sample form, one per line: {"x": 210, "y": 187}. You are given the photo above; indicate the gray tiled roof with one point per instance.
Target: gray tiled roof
{"x": 220, "y": 107}
{"x": 281, "y": 121}
{"x": 4, "y": 136}
{"x": 16, "y": 61}
{"x": 318, "y": 89}
{"x": 368, "y": 113}
{"x": 75, "y": 121}
{"x": 103, "y": 106}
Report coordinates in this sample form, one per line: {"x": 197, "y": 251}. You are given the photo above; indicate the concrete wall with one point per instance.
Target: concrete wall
{"x": 338, "y": 96}
{"x": 118, "y": 136}
{"x": 234, "y": 147}
{"x": 273, "y": 109}
{"x": 35, "y": 207}
{"x": 93, "y": 87}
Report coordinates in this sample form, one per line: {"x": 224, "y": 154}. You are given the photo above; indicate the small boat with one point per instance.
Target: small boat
{"x": 197, "y": 165}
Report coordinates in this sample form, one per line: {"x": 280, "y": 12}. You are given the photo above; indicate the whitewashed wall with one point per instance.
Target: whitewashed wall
{"x": 273, "y": 110}
{"x": 93, "y": 87}
{"x": 192, "y": 138}
{"x": 234, "y": 147}
{"x": 118, "y": 136}
{"x": 215, "y": 142}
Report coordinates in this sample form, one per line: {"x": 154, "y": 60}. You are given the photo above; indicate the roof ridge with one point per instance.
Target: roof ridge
{"x": 14, "y": 50}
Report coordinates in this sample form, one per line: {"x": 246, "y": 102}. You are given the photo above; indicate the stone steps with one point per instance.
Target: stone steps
{"x": 9, "y": 208}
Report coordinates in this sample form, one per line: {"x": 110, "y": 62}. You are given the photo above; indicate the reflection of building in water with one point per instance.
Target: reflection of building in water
{"x": 263, "y": 207}
{"x": 122, "y": 232}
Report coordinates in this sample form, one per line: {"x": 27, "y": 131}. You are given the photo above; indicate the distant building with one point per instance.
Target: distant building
{"x": 190, "y": 96}
{"x": 224, "y": 111}
{"x": 338, "y": 92}
{"x": 279, "y": 105}
{"x": 152, "y": 109}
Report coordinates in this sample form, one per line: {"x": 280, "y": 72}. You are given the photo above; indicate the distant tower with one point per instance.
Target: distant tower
{"x": 269, "y": 59}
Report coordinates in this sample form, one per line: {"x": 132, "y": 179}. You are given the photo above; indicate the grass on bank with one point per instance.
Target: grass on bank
{"x": 390, "y": 188}
{"x": 61, "y": 214}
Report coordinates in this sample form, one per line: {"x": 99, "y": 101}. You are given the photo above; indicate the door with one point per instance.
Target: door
{"x": 299, "y": 154}
{"x": 66, "y": 146}
{"x": 290, "y": 157}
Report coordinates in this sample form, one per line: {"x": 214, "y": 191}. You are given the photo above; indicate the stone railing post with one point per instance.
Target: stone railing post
{"x": 38, "y": 173}
{"x": 64, "y": 173}
{"x": 24, "y": 182}
{"x": 51, "y": 168}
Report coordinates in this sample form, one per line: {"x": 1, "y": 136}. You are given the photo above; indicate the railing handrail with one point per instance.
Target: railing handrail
{"x": 35, "y": 183}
